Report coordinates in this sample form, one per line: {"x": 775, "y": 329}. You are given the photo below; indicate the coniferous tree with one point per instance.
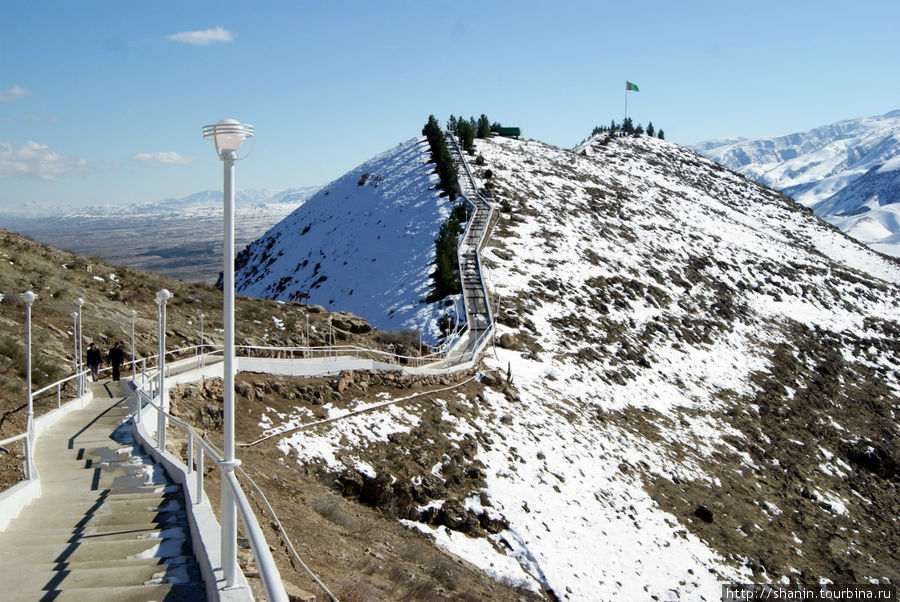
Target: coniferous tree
{"x": 662, "y": 135}
{"x": 466, "y": 134}
{"x": 444, "y": 164}
{"x": 484, "y": 127}
{"x": 650, "y": 130}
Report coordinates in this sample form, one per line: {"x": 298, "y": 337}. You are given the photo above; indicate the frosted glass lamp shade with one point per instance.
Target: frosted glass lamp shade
{"x": 227, "y": 138}
{"x": 229, "y": 135}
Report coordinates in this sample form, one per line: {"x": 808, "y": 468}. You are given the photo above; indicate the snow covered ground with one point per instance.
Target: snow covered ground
{"x": 363, "y": 244}
{"x": 680, "y": 332}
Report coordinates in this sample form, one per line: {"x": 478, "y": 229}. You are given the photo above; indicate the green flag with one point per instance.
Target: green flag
{"x": 631, "y": 86}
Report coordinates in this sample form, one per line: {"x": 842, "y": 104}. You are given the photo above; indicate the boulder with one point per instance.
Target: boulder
{"x": 351, "y": 484}
{"x": 489, "y": 380}
{"x": 376, "y": 492}
{"x": 704, "y": 514}
{"x": 508, "y": 340}
{"x": 350, "y": 323}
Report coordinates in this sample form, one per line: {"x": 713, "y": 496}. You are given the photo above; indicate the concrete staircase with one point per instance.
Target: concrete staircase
{"x": 108, "y": 524}
{"x": 478, "y": 312}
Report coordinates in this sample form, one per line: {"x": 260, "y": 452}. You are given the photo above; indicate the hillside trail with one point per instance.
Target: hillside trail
{"x": 108, "y": 523}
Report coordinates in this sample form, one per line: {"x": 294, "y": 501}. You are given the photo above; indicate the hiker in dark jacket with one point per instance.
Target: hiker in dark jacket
{"x": 115, "y": 358}
{"x": 93, "y": 359}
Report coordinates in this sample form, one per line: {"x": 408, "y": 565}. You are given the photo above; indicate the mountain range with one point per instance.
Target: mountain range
{"x": 847, "y": 172}
{"x": 179, "y": 238}
{"x": 694, "y": 380}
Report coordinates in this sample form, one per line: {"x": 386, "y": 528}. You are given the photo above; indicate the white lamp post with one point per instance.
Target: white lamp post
{"x": 330, "y": 337}
{"x": 79, "y": 302}
{"x": 202, "y": 362}
{"x": 75, "y": 347}
{"x": 229, "y": 136}
{"x": 28, "y": 297}
{"x": 161, "y": 297}
{"x": 133, "y": 314}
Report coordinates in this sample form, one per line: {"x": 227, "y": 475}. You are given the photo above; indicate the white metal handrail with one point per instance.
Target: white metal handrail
{"x": 480, "y": 203}
{"x": 324, "y": 351}
{"x": 197, "y": 447}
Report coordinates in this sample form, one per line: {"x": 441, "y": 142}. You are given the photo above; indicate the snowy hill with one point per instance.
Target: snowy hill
{"x": 818, "y": 167}
{"x": 363, "y": 244}
{"x": 868, "y": 209}
{"x": 697, "y": 384}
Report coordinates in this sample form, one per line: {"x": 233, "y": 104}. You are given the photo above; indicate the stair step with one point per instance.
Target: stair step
{"x": 70, "y": 535}
{"x": 75, "y": 578}
{"x": 135, "y": 593}
{"x": 104, "y": 501}
{"x": 121, "y": 520}
{"x": 92, "y": 550}
{"x": 106, "y": 563}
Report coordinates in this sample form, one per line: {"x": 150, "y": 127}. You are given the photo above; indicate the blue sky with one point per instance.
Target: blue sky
{"x": 103, "y": 101}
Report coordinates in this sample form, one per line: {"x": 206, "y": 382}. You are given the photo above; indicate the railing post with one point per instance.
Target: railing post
{"x": 29, "y": 298}
{"x": 199, "y": 474}
{"x": 190, "y": 453}
{"x": 58, "y": 395}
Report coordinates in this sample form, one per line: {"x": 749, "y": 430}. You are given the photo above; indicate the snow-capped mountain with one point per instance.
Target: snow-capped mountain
{"x": 695, "y": 383}
{"x": 820, "y": 167}
{"x": 363, "y": 244}
{"x": 200, "y": 203}
{"x": 868, "y": 209}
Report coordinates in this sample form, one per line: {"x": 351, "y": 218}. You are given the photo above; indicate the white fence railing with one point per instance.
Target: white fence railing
{"x": 149, "y": 397}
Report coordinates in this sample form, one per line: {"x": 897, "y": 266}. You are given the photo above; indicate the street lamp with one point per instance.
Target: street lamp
{"x": 79, "y": 302}
{"x": 28, "y": 297}
{"x": 201, "y": 340}
{"x": 75, "y": 347}
{"x": 161, "y": 297}
{"x": 229, "y": 136}
{"x": 133, "y": 314}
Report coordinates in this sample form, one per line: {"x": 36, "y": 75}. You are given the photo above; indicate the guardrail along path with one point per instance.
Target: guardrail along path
{"x": 478, "y": 311}
{"x": 108, "y": 525}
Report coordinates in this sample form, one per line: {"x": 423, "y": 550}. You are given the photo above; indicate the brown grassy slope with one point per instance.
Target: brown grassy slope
{"x": 59, "y": 277}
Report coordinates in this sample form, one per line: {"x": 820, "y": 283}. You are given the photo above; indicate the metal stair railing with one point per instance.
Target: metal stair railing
{"x": 197, "y": 448}
{"x": 475, "y": 296}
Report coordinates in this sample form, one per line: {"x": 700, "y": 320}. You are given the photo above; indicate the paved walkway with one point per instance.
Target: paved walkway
{"x": 108, "y": 524}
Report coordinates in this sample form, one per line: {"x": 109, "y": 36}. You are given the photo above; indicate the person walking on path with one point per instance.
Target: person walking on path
{"x": 93, "y": 360}
{"x": 116, "y": 357}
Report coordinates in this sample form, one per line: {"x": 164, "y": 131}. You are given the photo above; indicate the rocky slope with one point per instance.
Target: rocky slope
{"x": 110, "y": 293}
{"x": 698, "y": 384}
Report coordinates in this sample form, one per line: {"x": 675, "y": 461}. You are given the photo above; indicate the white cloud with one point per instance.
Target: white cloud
{"x": 163, "y": 158}
{"x": 36, "y": 161}
{"x": 202, "y": 37}
{"x": 14, "y": 93}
